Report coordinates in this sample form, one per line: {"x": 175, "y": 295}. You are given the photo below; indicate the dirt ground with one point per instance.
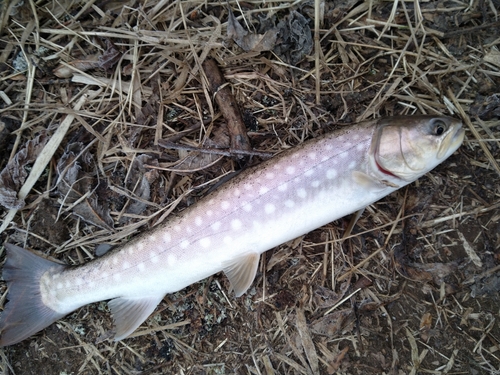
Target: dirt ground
{"x": 413, "y": 290}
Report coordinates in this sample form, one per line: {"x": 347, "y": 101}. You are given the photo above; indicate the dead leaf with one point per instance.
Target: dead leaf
{"x": 325, "y": 297}
{"x": 425, "y": 326}
{"x": 250, "y": 41}
{"x": 77, "y": 185}
{"x": 139, "y": 182}
{"x": 106, "y": 61}
{"x": 14, "y": 174}
{"x": 306, "y": 341}
{"x": 332, "y": 324}
{"x": 486, "y": 108}
{"x": 493, "y": 57}
{"x": 295, "y": 40}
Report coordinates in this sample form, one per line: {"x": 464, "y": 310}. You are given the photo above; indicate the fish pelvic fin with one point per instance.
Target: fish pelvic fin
{"x": 241, "y": 272}
{"x": 25, "y": 313}
{"x": 129, "y": 313}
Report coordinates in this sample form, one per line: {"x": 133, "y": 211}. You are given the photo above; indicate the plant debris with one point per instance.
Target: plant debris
{"x": 108, "y": 126}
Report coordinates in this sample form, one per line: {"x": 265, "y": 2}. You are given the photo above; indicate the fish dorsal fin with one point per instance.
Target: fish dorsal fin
{"x": 129, "y": 313}
{"x": 241, "y": 272}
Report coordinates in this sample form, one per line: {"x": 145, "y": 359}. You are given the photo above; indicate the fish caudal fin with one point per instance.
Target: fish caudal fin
{"x": 25, "y": 313}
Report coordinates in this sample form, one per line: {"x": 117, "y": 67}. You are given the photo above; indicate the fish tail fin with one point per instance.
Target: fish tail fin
{"x": 25, "y": 313}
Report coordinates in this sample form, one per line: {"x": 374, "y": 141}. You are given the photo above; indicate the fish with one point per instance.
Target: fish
{"x": 289, "y": 195}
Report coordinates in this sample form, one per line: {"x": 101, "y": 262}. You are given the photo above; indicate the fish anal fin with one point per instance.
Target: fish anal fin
{"x": 129, "y": 313}
{"x": 241, "y": 272}
{"x": 25, "y": 313}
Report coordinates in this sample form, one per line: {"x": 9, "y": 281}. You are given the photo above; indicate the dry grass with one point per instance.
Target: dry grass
{"x": 414, "y": 289}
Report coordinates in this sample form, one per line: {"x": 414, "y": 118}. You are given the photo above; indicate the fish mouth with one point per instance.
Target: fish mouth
{"x": 452, "y": 143}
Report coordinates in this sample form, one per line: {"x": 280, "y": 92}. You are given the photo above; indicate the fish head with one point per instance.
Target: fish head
{"x": 408, "y": 147}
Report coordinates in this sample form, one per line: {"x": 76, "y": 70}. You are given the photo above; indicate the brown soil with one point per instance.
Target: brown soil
{"x": 425, "y": 302}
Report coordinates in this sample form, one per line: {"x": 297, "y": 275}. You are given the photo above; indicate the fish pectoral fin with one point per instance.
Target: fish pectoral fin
{"x": 241, "y": 272}
{"x": 372, "y": 183}
{"x": 365, "y": 180}
{"x": 353, "y": 221}
{"x": 129, "y": 313}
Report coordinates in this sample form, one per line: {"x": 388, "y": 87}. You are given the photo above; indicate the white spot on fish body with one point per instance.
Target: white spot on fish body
{"x": 154, "y": 257}
{"x": 269, "y": 175}
{"x": 141, "y": 266}
{"x": 236, "y": 224}
{"x": 351, "y": 165}
{"x": 205, "y": 242}
{"x": 247, "y": 187}
{"x": 360, "y": 147}
{"x": 171, "y": 260}
{"x": 270, "y": 208}
{"x": 290, "y": 170}
{"x": 115, "y": 260}
{"x": 140, "y": 246}
{"x": 152, "y": 238}
{"x": 329, "y": 147}
{"x": 315, "y": 183}
{"x": 331, "y": 173}
{"x": 225, "y": 205}
{"x": 130, "y": 250}
{"x": 198, "y": 221}
{"x": 184, "y": 244}
{"x": 167, "y": 237}
{"x": 344, "y": 154}
{"x": 104, "y": 275}
{"x": 125, "y": 266}
{"x": 189, "y": 230}
{"x": 210, "y": 213}
{"x": 283, "y": 187}
{"x": 237, "y": 193}
{"x": 289, "y": 203}
{"x": 247, "y": 207}
{"x": 263, "y": 190}
{"x": 309, "y": 173}
{"x": 312, "y": 155}
{"x": 302, "y": 193}
{"x": 215, "y": 226}
{"x": 324, "y": 158}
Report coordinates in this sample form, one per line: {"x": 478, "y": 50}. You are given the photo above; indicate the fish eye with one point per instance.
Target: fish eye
{"x": 439, "y": 127}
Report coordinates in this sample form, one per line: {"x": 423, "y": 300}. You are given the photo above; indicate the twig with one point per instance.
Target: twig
{"x": 215, "y": 151}
{"x": 228, "y": 106}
